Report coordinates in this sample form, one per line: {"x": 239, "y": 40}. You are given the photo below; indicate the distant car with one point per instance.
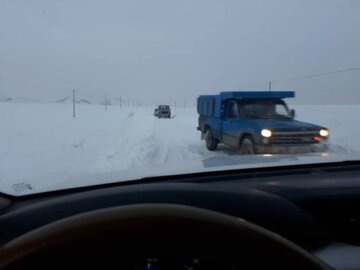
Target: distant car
{"x": 163, "y": 111}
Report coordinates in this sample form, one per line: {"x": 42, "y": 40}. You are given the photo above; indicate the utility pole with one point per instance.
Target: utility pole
{"x": 120, "y": 102}
{"x": 175, "y": 104}
{"x": 105, "y": 102}
{"x": 74, "y": 114}
{"x": 270, "y": 86}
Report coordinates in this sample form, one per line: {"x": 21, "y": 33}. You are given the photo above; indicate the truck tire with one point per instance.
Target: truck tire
{"x": 211, "y": 142}
{"x": 247, "y": 146}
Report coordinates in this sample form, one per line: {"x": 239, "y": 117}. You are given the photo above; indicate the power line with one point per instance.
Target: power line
{"x": 261, "y": 84}
{"x": 318, "y": 74}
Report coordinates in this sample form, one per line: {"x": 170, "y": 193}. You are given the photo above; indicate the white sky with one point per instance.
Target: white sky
{"x": 166, "y": 51}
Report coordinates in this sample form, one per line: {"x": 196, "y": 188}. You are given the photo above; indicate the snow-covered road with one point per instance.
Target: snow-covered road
{"x": 43, "y": 145}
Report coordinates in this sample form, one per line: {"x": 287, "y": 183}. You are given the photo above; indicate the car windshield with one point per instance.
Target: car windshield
{"x": 264, "y": 109}
{"x": 97, "y": 92}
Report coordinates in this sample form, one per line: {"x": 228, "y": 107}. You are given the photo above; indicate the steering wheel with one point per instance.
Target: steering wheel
{"x": 123, "y": 237}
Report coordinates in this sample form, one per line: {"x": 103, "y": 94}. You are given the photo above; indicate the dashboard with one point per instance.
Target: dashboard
{"x": 316, "y": 207}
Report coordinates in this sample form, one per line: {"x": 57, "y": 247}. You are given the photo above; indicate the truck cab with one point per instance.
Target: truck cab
{"x": 257, "y": 123}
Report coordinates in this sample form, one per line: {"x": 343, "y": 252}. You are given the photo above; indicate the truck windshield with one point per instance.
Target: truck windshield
{"x": 264, "y": 109}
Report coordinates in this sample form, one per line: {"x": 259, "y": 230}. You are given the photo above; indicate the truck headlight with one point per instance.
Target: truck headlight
{"x": 266, "y": 133}
{"x": 324, "y": 133}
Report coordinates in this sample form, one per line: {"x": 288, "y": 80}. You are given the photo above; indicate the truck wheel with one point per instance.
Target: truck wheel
{"x": 211, "y": 142}
{"x": 247, "y": 146}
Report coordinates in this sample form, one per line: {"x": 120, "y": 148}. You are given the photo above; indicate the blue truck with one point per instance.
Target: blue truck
{"x": 257, "y": 122}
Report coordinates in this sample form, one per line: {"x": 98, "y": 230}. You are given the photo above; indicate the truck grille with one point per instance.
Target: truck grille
{"x": 294, "y": 138}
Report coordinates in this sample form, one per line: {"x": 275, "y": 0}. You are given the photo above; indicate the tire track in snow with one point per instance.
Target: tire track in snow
{"x": 167, "y": 143}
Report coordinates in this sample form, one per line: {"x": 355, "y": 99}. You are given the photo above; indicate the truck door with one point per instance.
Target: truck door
{"x": 230, "y": 124}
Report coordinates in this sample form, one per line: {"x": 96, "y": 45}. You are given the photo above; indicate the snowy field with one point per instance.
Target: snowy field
{"x": 42, "y": 147}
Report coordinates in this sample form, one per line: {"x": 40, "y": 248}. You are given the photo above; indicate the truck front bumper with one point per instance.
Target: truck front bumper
{"x": 291, "y": 149}
{"x": 164, "y": 115}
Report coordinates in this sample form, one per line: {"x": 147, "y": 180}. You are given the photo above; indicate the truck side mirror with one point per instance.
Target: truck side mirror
{"x": 292, "y": 113}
